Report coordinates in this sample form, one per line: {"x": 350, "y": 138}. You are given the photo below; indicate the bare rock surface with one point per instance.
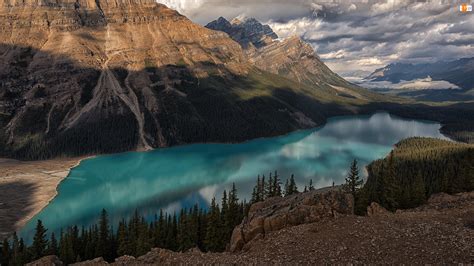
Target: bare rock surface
{"x": 374, "y": 209}
{"x": 47, "y": 261}
{"x": 278, "y": 213}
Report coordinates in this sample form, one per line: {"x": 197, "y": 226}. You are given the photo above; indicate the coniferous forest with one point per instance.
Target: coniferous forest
{"x": 416, "y": 169}
{"x": 207, "y": 229}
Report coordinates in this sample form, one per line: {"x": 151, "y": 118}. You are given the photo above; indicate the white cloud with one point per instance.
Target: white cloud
{"x": 354, "y": 35}
{"x": 417, "y": 84}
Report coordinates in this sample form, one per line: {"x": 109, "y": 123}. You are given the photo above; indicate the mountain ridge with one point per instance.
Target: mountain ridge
{"x": 290, "y": 57}
{"x": 459, "y": 72}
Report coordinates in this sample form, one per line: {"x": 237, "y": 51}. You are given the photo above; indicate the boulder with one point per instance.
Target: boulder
{"x": 374, "y": 209}
{"x": 441, "y": 197}
{"x": 93, "y": 262}
{"x": 46, "y": 261}
{"x": 277, "y": 213}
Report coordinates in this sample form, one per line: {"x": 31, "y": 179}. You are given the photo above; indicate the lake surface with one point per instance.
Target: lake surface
{"x": 177, "y": 177}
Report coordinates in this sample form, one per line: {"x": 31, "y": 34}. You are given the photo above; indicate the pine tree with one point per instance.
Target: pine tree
{"x": 23, "y": 256}
{"x": 103, "y": 245}
{"x": 5, "y": 259}
{"x": 293, "y": 189}
{"x": 353, "y": 181}
{"x": 39, "y": 241}
{"x": 53, "y": 245}
{"x": 417, "y": 192}
{"x": 143, "y": 242}
{"x": 213, "y": 237}
{"x": 15, "y": 251}
{"x": 287, "y": 188}
{"x": 225, "y": 205}
{"x": 122, "y": 239}
{"x": 254, "y": 197}
{"x": 276, "y": 185}
{"x": 311, "y": 187}
{"x": 231, "y": 217}
{"x": 269, "y": 190}
{"x": 390, "y": 185}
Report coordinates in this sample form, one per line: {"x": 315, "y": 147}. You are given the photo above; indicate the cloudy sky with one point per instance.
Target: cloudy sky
{"x": 355, "y": 35}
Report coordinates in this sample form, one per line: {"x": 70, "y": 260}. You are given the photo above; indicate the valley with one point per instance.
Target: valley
{"x": 91, "y": 84}
{"x": 129, "y": 106}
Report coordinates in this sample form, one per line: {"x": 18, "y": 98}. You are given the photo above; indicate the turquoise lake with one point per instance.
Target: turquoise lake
{"x": 177, "y": 177}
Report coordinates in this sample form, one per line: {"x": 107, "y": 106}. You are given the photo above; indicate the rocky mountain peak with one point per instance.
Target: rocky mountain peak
{"x": 248, "y": 32}
{"x": 291, "y": 57}
{"x": 236, "y": 21}
{"x": 220, "y": 24}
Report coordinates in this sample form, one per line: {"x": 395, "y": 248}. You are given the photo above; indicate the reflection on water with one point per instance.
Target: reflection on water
{"x": 179, "y": 177}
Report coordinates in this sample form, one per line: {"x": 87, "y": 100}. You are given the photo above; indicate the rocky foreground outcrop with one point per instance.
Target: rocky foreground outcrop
{"x": 439, "y": 232}
{"x": 278, "y": 213}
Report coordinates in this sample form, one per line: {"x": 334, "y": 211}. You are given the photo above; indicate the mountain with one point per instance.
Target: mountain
{"x": 87, "y": 77}
{"x": 459, "y": 72}
{"x": 292, "y": 57}
{"x": 250, "y": 33}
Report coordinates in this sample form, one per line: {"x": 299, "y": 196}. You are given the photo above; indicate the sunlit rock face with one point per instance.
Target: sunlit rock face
{"x": 87, "y": 77}
{"x": 98, "y": 72}
{"x": 292, "y": 57}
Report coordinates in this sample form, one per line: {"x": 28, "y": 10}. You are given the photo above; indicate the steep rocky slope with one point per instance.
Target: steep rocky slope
{"x": 291, "y": 57}
{"x": 81, "y": 77}
{"x": 439, "y": 232}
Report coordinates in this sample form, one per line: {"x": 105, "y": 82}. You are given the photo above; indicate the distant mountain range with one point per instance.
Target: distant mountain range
{"x": 459, "y": 72}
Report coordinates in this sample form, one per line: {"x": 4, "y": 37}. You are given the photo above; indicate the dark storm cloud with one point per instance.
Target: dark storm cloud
{"x": 355, "y": 35}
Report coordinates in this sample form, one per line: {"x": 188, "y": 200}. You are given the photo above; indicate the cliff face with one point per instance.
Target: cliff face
{"x": 277, "y": 213}
{"x": 82, "y": 77}
{"x": 297, "y": 60}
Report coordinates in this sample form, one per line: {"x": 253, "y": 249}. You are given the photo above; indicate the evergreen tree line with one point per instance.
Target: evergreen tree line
{"x": 416, "y": 169}
{"x": 271, "y": 187}
{"x": 207, "y": 229}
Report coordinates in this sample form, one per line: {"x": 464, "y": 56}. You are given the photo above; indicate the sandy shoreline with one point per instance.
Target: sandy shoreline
{"x": 27, "y": 187}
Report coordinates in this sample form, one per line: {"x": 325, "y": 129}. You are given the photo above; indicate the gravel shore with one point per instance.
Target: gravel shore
{"x": 27, "y": 187}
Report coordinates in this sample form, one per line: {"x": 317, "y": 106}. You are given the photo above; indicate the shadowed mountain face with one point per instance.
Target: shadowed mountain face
{"x": 82, "y": 77}
{"x": 292, "y": 58}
